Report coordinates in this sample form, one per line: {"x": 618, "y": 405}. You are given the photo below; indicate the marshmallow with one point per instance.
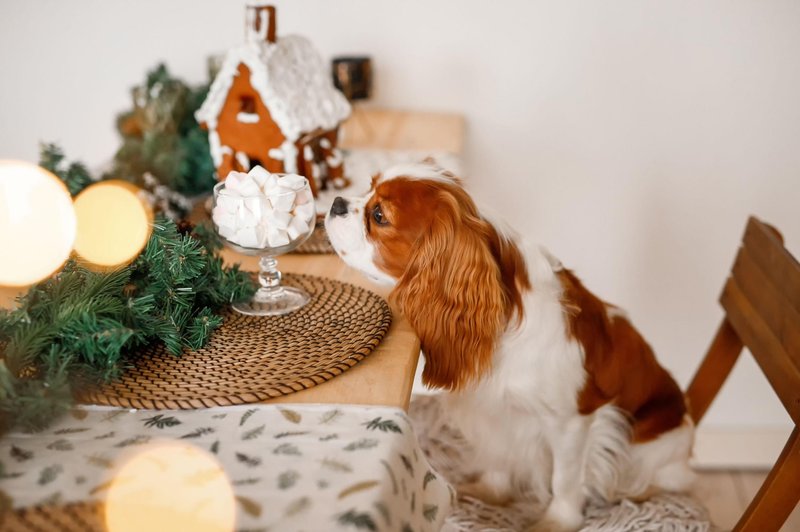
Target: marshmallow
{"x": 270, "y": 185}
{"x": 263, "y": 236}
{"x": 277, "y": 238}
{"x": 227, "y": 232}
{"x": 226, "y": 202}
{"x": 222, "y": 216}
{"x": 247, "y": 237}
{"x": 262, "y": 210}
{"x": 249, "y": 187}
{"x": 303, "y": 196}
{"x": 283, "y": 200}
{"x": 305, "y": 211}
{"x": 255, "y": 205}
{"x": 234, "y": 181}
{"x": 259, "y": 175}
{"x": 246, "y": 218}
{"x": 241, "y": 184}
{"x": 292, "y": 181}
{"x": 297, "y": 228}
{"x": 279, "y": 219}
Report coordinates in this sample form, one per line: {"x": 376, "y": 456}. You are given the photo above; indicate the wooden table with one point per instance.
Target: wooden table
{"x": 386, "y": 376}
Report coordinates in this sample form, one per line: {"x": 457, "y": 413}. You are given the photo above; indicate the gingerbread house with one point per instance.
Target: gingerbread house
{"x": 273, "y": 104}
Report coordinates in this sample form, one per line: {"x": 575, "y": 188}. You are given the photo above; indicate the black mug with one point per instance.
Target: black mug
{"x": 353, "y": 76}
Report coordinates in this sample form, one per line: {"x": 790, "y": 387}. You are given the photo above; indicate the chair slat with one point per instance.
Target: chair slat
{"x": 769, "y": 301}
{"x": 766, "y": 247}
{"x": 776, "y": 364}
{"x": 778, "y": 495}
{"x": 713, "y": 371}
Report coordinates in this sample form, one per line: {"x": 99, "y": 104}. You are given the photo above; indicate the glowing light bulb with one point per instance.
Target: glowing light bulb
{"x": 170, "y": 486}
{"x": 37, "y": 223}
{"x": 114, "y": 223}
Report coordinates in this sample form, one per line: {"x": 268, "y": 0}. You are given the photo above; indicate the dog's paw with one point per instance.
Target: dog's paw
{"x": 482, "y": 492}
{"x": 549, "y": 524}
{"x": 642, "y": 496}
{"x": 559, "y": 518}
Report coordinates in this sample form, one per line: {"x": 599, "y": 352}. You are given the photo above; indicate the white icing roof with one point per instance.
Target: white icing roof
{"x": 291, "y": 79}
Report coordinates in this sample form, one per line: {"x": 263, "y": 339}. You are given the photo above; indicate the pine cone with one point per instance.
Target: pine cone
{"x": 185, "y": 227}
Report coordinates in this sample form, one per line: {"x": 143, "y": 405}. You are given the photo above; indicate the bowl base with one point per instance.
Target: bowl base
{"x": 274, "y": 302}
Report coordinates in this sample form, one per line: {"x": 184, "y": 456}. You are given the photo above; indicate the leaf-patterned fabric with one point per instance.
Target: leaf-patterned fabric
{"x": 291, "y": 467}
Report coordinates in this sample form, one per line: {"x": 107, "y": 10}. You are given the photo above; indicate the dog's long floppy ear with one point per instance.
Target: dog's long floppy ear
{"x": 452, "y": 293}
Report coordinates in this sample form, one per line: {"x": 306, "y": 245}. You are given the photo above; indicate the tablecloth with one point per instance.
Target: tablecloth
{"x": 291, "y": 467}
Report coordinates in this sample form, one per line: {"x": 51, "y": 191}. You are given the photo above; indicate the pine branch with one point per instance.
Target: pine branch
{"x": 76, "y": 176}
{"x": 209, "y": 238}
{"x": 81, "y": 326}
{"x": 201, "y": 327}
{"x": 27, "y": 341}
{"x": 161, "y": 137}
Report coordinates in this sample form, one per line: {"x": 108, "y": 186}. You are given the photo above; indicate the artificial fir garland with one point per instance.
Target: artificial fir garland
{"x": 161, "y": 137}
{"x": 76, "y": 176}
{"x": 80, "y": 326}
{"x": 164, "y": 151}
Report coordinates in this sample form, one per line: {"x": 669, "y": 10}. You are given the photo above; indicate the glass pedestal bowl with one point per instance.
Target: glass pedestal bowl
{"x": 266, "y": 225}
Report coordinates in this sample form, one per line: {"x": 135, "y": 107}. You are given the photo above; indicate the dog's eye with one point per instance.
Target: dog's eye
{"x": 377, "y": 215}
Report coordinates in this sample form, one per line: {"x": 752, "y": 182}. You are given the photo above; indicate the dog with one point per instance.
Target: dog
{"x": 554, "y": 388}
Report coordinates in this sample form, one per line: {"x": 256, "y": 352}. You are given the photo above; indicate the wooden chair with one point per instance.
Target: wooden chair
{"x": 377, "y": 128}
{"x": 761, "y": 299}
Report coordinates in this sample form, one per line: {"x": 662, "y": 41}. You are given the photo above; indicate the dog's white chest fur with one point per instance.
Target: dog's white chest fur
{"x": 536, "y": 376}
{"x": 538, "y": 368}
{"x": 523, "y": 422}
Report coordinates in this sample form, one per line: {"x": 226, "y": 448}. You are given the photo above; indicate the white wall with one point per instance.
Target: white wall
{"x": 633, "y": 138}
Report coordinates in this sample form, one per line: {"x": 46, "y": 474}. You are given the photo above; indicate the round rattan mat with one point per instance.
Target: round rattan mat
{"x": 252, "y": 359}
{"x": 317, "y": 243}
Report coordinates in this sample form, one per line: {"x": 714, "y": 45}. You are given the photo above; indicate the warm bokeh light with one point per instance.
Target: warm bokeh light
{"x": 170, "y": 486}
{"x": 37, "y": 223}
{"x": 114, "y": 223}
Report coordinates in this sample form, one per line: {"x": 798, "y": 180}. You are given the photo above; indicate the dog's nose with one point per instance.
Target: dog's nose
{"x": 339, "y": 207}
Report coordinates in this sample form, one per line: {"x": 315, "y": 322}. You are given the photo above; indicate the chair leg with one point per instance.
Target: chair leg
{"x": 779, "y": 494}
{"x": 713, "y": 371}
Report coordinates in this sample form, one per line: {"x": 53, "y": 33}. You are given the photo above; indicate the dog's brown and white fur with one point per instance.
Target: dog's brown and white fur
{"x": 553, "y": 387}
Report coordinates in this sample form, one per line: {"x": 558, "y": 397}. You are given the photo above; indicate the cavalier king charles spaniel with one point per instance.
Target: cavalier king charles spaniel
{"x": 554, "y": 388}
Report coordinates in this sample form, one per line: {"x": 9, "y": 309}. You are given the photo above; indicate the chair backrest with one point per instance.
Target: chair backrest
{"x": 391, "y": 129}
{"x": 761, "y": 299}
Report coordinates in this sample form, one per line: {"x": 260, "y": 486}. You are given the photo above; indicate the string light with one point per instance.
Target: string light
{"x": 37, "y": 223}
{"x": 114, "y": 223}
{"x": 170, "y": 486}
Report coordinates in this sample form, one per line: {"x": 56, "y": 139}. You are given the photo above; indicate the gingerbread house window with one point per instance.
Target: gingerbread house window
{"x": 247, "y": 110}
{"x": 247, "y": 104}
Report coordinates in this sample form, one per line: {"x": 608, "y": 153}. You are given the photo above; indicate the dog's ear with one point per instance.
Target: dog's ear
{"x": 374, "y": 181}
{"x": 452, "y": 294}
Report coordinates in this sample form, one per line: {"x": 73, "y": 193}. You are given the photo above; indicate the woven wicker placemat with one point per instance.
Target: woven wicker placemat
{"x": 252, "y": 359}
{"x": 317, "y": 243}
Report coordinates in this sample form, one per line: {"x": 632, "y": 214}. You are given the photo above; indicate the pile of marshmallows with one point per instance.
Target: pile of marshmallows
{"x": 261, "y": 210}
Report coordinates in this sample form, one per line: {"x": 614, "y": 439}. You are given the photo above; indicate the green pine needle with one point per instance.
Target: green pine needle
{"x": 160, "y": 136}
{"x": 79, "y": 325}
{"x": 75, "y": 176}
